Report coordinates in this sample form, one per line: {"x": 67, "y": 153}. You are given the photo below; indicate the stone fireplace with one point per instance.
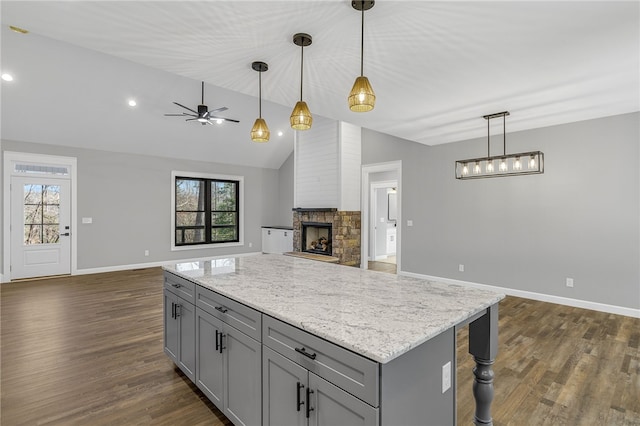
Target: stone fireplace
{"x": 330, "y": 232}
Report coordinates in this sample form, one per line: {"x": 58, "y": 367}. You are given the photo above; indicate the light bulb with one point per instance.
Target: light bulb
{"x": 517, "y": 165}
{"x": 532, "y": 162}
{"x": 489, "y": 166}
{"x": 7, "y": 77}
{"x": 476, "y": 168}
{"x": 503, "y": 165}
{"x": 465, "y": 169}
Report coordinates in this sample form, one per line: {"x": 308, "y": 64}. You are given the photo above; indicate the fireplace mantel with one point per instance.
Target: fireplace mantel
{"x": 315, "y": 209}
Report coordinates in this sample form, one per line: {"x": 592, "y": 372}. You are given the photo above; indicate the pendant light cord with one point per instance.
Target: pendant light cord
{"x": 488, "y": 139}
{"x": 362, "y": 44}
{"x": 504, "y": 133}
{"x": 301, "y": 69}
{"x": 260, "y": 90}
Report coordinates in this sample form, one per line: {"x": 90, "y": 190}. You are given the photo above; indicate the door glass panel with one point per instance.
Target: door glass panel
{"x": 41, "y": 214}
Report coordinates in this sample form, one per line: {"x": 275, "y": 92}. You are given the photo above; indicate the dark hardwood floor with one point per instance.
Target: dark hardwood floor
{"x": 87, "y": 350}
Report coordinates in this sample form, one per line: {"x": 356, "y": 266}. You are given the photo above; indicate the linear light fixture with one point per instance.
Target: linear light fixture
{"x": 522, "y": 163}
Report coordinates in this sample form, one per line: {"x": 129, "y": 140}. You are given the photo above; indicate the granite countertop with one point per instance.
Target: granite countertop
{"x": 376, "y": 314}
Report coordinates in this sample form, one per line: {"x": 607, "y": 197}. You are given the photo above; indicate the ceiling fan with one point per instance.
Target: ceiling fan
{"x": 203, "y": 115}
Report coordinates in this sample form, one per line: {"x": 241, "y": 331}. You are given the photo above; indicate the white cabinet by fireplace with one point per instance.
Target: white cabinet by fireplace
{"x": 277, "y": 240}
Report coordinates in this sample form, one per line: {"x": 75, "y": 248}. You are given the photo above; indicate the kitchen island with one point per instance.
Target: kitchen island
{"x": 278, "y": 340}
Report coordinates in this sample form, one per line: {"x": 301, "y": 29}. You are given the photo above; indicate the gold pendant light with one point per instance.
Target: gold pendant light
{"x": 301, "y": 118}
{"x": 362, "y": 97}
{"x": 260, "y": 131}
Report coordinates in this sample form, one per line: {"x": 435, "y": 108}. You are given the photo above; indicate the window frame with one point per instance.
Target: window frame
{"x": 175, "y": 174}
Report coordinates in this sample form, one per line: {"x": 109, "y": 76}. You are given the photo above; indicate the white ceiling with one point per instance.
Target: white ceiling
{"x": 436, "y": 67}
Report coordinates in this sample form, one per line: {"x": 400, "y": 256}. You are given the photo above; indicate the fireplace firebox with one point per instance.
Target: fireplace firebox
{"x": 316, "y": 238}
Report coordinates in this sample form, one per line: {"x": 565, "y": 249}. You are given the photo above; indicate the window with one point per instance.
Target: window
{"x": 206, "y": 209}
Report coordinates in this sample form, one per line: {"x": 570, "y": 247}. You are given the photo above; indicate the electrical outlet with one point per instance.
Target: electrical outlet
{"x": 569, "y": 282}
{"x": 250, "y": 245}
{"x": 446, "y": 376}
{"x": 146, "y": 252}
{"x": 461, "y": 268}
{"x": 409, "y": 223}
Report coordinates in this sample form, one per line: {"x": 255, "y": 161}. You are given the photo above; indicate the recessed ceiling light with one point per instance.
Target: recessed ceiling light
{"x": 219, "y": 121}
{"x": 280, "y": 133}
{"x": 7, "y": 77}
{"x": 132, "y": 102}
{"x": 18, "y": 29}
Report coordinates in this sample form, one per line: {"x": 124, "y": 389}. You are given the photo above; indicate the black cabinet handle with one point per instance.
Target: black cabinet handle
{"x": 221, "y": 336}
{"x": 304, "y": 352}
{"x": 173, "y": 310}
{"x": 299, "y": 386}
{"x": 221, "y": 309}
{"x": 176, "y": 285}
{"x": 178, "y": 310}
{"x": 217, "y": 344}
{"x": 309, "y": 409}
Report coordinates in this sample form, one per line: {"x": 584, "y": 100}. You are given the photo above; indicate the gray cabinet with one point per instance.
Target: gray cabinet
{"x": 296, "y": 369}
{"x": 179, "y": 325}
{"x": 275, "y": 240}
{"x": 228, "y": 360}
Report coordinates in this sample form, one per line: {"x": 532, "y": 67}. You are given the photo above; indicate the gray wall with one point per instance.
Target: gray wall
{"x": 129, "y": 198}
{"x": 580, "y": 219}
{"x": 285, "y": 191}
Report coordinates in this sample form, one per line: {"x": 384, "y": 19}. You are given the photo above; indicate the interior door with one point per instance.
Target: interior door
{"x": 40, "y": 227}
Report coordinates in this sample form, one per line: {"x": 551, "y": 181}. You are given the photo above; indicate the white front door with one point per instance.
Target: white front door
{"x": 40, "y": 226}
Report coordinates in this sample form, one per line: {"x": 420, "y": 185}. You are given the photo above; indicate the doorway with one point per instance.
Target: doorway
{"x": 381, "y": 216}
{"x": 39, "y": 209}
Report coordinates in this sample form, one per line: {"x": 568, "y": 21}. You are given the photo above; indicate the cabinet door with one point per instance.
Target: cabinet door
{"x": 170, "y": 326}
{"x": 270, "y": 240}
{"x": 286, "y": 241}
{"x": 334, "y": 407}
{"x": 243, "y": 378}
{"x": 284, "y": 385}
{"x": 187, "y": 338}
{"x": 210, "y": 366}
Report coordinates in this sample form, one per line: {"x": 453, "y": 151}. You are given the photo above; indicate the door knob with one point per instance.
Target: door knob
{"x": 66, "y": 234}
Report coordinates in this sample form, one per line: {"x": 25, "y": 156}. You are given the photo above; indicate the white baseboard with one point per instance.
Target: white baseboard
{"x": 153, "y": 264}
{"x": 576, "y": 303}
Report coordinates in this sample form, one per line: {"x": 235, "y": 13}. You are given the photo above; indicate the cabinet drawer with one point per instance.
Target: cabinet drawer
{"x": 237, "y": 315}
{"x": 345, "y": 369}
{"x": 180, "y": 287}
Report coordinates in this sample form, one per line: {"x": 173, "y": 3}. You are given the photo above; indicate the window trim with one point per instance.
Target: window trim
{"x": 197, "y": 175}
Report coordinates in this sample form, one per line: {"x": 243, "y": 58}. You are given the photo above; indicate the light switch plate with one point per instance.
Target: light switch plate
{"x": 87, "y": 220}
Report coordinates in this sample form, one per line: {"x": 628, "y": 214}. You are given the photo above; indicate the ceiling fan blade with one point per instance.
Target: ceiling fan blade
{"x": 219, "y": 109}
{"x": 179, "y": 115}
{"x": 187, "y": 108}
{"x": 190, "y": 119}
{"x": 213, "y": 117}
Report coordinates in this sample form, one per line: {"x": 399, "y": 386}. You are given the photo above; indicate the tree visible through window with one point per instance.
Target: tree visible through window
{"x": 207, "y": 211}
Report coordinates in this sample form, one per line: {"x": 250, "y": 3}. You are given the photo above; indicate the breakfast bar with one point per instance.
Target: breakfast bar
{"x": 279, "y": 340}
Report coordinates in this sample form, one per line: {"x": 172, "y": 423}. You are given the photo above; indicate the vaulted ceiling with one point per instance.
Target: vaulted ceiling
{"x": 436, "y": 67}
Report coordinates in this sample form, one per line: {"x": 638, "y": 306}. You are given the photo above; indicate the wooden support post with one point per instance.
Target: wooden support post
{"x": 483, "y": 345}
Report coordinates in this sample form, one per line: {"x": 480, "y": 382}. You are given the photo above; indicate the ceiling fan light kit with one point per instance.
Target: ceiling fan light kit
{"x": 301, "y": 118}
{"x": 522, "y": 163}
{"x": 362, "y": 98}
{"x": 260, "y": 130}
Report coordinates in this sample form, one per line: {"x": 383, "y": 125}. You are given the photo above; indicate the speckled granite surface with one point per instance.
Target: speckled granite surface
{"x": 378, "y": 315}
